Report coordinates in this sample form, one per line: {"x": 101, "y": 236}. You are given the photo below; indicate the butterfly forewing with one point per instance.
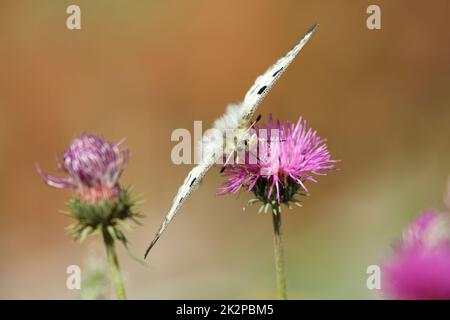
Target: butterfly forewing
{"x": 191, "y": 182}
{"x": 264, "y": 83}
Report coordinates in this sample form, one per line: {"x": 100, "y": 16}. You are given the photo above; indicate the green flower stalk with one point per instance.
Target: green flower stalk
{"x": 93, "y": 167}
{"x": 279, "y": 254}
{"x": 286, "y": 156}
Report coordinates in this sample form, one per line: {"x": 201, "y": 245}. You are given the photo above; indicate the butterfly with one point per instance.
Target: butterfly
{"x": 236, "y": 119}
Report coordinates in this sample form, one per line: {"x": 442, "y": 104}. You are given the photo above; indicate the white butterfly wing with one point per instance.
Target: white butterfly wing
{"x": 264, "y": 83}
{"x": 190, "y": 183}
{"x": 252, "y": 99}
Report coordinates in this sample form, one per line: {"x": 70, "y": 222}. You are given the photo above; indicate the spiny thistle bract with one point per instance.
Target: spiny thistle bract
{"x": 110, "y": 214}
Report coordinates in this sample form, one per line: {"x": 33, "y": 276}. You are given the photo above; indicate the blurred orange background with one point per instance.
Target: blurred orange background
{"x": 142, "y": 69}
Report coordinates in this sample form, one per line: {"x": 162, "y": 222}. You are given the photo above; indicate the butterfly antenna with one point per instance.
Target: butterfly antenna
{"x": 254, "y": 122}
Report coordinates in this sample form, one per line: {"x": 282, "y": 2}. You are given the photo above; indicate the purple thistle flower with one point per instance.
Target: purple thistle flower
{"x": 420, "y": 267}
{"x": 93, "y": 166}
{"x": 288, "y": 155}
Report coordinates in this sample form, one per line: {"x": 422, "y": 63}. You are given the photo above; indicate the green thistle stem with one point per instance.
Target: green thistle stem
{"x": 279, "y": 255}
{"x": 114, "y": 265}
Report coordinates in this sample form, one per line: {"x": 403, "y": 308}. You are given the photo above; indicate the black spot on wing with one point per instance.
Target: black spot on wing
{"x": 277, "y": 72}
{"x": 263, "y": 88}
{"x": 192, "y": 182}
{"x": 313, "y": 28}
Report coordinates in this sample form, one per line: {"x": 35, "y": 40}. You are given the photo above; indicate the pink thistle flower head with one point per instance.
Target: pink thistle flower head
{"x": 286, "y": 156}
{"x": 419, "y": 268}
{"x": 93, "y": 167}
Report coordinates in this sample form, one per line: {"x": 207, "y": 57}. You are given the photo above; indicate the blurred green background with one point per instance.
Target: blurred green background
{"x": 142, "y": 69}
